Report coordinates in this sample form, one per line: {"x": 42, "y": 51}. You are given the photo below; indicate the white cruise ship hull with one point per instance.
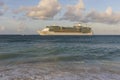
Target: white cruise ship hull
{"x": 62, "y": 33}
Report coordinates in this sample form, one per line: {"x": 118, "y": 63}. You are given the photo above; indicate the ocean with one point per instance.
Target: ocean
{"x": 34, "y": 57}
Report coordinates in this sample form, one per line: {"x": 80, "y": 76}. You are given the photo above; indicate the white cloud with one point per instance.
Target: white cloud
{"x": 23, "y": 9}
{"x": 77, "y": 13}
{"x": 108, "y": 16}
{"x": 46, "y": 9}
{"x": 109, "y": 11}
{"x": 74, "y": 12}
{"x": 80, "y": 5}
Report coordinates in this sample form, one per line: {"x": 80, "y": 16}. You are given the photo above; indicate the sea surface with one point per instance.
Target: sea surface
{"x": 34, "y": 57}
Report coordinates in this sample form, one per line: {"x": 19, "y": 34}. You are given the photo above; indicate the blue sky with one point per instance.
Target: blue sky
{"x": 27, "y": 16}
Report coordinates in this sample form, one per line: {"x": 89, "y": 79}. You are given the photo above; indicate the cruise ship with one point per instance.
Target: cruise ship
{"x": 60, "y": 30}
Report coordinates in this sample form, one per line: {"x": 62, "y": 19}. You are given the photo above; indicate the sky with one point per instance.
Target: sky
{"x": 28, "y": 16}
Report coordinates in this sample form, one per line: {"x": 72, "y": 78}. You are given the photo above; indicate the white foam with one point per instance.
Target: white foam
{"x": 53, "y": 72}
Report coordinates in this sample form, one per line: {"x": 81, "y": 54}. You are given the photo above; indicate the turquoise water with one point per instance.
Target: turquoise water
{"x": 36, "y": 57}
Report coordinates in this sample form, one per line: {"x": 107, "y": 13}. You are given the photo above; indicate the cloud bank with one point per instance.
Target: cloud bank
{"x": 74, "y": 12}
{"x": 48, "y": 9}
{"x": 77, "y": 13}
{"x": 108, "y": 16}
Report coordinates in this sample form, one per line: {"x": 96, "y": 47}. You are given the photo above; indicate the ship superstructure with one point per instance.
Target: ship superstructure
{"x": 59, "y": 30}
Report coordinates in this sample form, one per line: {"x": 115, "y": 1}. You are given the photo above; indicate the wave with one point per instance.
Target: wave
{"x": 60, "y": 71}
